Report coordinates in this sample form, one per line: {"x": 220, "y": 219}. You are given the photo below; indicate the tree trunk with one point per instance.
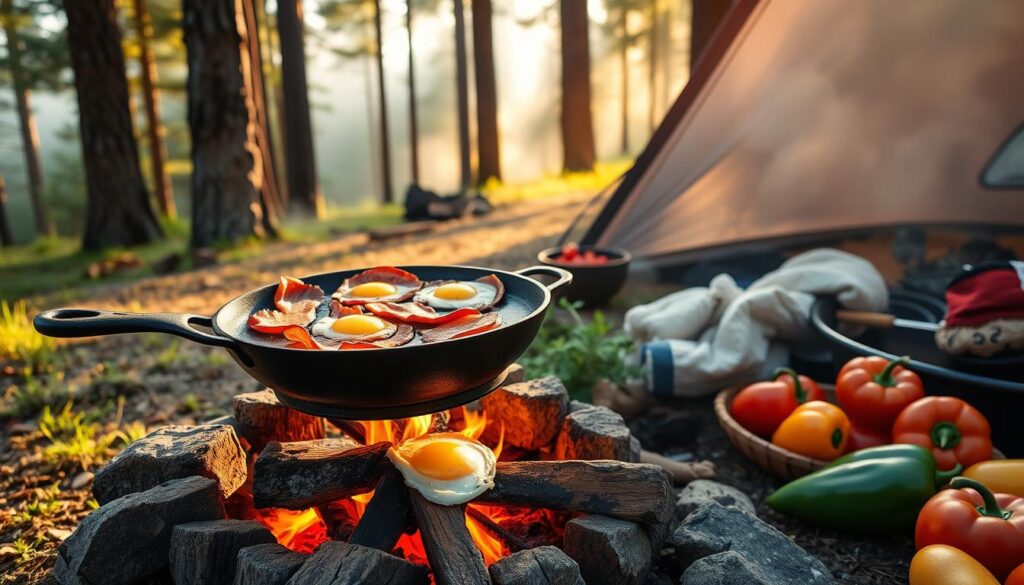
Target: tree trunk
{"x": 271, "y": 196}
{"x": 154, "y": 127}
{"x": 385, "y": 141}
{"x": 303, "y": 191}
{"x": 489, "y": 163}
{"x": 414, "y": 127}
{"x": 26, "y": 123}
{"x": 705, "y": 17}
{"x": 227, "y": 173}
{"x": 6, "y": 236}
{"x": 624, "y": 64}
{"x": 577, "y": 123}
{"x": 462, "y": 93}
{"x": 118, "y": 212}
{"x": 275, "y": 106}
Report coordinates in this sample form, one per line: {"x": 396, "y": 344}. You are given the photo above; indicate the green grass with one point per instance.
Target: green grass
{"x": 24, "y": 400}
{"x": 77, "y": 440}
{"x": 20, "y": 342}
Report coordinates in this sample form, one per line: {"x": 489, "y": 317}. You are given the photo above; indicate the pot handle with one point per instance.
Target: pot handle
{"x": 93, "y": 322}
{"x": 563, "y": 277}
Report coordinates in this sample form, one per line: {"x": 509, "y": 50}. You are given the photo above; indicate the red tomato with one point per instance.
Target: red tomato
{"x": 569, "y": 252}
{"x": 1016, "y": 577}
{"x": 760, "y": 408}
{"x": 874, "y": 391}
{"x": 861, "y": 438}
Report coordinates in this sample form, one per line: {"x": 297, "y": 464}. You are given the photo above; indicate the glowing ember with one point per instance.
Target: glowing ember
{"x": 301, "y": 531}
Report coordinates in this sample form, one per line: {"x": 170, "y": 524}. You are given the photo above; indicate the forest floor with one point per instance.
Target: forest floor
{"x": 120, "y": 387}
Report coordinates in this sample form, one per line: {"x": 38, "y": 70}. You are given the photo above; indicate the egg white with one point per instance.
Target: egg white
{"x": 451, "y": 492}
{"x": 485, "y": 294}
{"x": 401, "y": 291}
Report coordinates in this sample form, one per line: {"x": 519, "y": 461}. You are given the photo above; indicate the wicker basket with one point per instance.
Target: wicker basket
{"x": 772, "y": 458}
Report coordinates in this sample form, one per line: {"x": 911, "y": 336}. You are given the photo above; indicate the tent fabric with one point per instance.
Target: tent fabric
{"x": 833, "y": 116}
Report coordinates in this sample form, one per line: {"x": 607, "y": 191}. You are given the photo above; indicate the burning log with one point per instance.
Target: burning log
{"x": 266, "y": 564}
{"x": 609, "y": 551}
{"x": 206, "y": 553}
{"x": 511, "y": 541}
{"x": 386, "y": 516}
{"x": 454, "y": 557}
{"x": 545, "y": 565}
{"x": 353, "y": 429}
{"x": 630, "y": 491}
{"x": 593, "y": 433}
{"x": 263, "y": 418}
{"x": 341, "y": 563}
{"x": 128, "y": 539}
{"x": 174, "y": 452}
{"x": 531, "y": 412}
{"x": 306, "y": 473}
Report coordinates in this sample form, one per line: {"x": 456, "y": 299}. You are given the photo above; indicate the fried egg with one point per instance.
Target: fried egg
{"x": 352, "y": 328}
{"x": 446, "y": 468}
{"x": 384, "y": 283}
{"x": 462, "y": 294}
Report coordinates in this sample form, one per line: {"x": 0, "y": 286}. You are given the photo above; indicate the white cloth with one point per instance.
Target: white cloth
{"x": 699, "y": 340}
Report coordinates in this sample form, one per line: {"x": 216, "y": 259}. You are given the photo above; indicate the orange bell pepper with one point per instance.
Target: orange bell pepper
{"x": 816, "y": 429}
{"x": 940, "y": 564}
{"x": 954, "y": 431}
{"x": 1016, "y": 577}
{"x": 1004, "y": 476}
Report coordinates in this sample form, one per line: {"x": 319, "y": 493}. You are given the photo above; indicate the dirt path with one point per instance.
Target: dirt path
{"x": 509, "y": 238}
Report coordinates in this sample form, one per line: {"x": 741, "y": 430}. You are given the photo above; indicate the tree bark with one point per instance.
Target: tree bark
{"x": 489, "y": 158}
{"x": 414, "y": 127}
{"x": 385, "y": 141}
{"x": 705, "y": 17}
{"x": 118, "y": 212}
{"x": 6, "y": 237}
{"x": 273, "y": 200}
{"x": 303, "y": 190}
{"x": 26, "y": 123}
{"x": 576, "y": 119}
{"x": 462, "y": 93}
{"x": 227, "y": 164}
{"x": 154, "y": 127}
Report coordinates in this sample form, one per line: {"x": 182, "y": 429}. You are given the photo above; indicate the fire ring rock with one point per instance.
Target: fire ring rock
{"x": 594, "y": 432}
{"x": 174, "y": 452}
{"x": 532, "y": 411}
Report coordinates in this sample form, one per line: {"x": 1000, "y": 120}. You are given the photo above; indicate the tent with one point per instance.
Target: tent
{"x": 806, "y": 118}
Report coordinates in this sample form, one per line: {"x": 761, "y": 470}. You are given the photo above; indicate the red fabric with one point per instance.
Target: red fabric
{"x": 995, "y": 293}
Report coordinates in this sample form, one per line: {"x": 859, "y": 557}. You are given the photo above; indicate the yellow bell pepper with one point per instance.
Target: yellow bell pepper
{"x": 939, "y": 564}
{"x": 1002, "y": 476}
{"x": 815, "y": 429}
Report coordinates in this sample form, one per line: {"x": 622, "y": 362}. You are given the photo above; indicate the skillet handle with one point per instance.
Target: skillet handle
{"x": 563, "y": 277}
{"x": 93, "y": 322}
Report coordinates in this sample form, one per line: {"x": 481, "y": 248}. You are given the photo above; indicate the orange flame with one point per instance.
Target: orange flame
{"x": 305, "y": 530}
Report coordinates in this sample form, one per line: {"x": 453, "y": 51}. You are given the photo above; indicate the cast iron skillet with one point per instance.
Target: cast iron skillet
{"x": 363, "y": 384}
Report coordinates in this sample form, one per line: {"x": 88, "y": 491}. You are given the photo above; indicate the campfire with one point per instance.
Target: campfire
{"x": 302, "y": 497}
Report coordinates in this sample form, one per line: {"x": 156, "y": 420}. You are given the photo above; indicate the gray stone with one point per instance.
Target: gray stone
{"x": 206, "y": 552}
{"x": 593, "y": 432}
{"x": 128, "y": 539}
{"x": 266, "y": 564}
{"x": 531, "y": 412}
{"x": 701, "y": 491}
{"x": 712, "y": 529}
{"x": 609, "y": 551}
{"x": 729, "y": 568}
{"x": 174, "y": 452}
{"x": 514, "y": 374}
{"x": 545, "y": 565}
{"x": 341, "y": 563}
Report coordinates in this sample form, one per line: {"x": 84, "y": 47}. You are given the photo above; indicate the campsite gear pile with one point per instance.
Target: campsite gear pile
{"x": 985, "y": 314}
{"x": 423, "y": 204}
{"x": 699, "y": 340}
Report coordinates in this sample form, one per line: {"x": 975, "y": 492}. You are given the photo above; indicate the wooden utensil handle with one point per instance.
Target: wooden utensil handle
{"x": 866, "y": 318}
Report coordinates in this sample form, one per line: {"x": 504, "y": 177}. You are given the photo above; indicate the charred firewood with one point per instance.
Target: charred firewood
{"x": 306, "y": 473}
{"x": 386, "y": 516}
{"x": 454, "y": 557}
{"x": 266, "y": 564}
{"x": 545, "y": 565}
{"x": 341, "y": 563}
{"x": 263, "y": 418}
{"x": 206, "y": 553}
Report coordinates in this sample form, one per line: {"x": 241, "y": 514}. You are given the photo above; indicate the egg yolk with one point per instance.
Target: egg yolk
{"x": 357, "y": 325}
{"x": 370, "y": 290}
{"x": 455, "y": 291}
{"x": 443, "y": 460}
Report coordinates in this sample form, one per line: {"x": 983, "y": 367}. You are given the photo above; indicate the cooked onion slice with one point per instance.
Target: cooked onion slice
{"x": 416, "y": 313}
{"x": 467, "y": 325}
{"x": 301, "y": 338}
{"x": 293, "y": 295}
{"x": 403, "y": 335}
{"x": 405, "y": 283}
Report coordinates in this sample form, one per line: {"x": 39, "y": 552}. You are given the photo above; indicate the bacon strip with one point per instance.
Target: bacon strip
{"x": 338, "y": 310}
{"x": 416, "y": 313}
{"x": 403, "y": 335}
{"x": 293, "y": 294}
{"x": 273, "y": 321}
{"x": 301, "y": 338}
{"x": 467, "y": 325}
{"x": 493, "y": 280}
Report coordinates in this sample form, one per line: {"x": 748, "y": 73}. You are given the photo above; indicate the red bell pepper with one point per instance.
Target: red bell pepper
{"x": 873, "y": 391}
{"x": 954, "y": 430}
{"x": 861, "y": 438}
{"x": 1017, "y": 576}
{"x": 987, "y": 526}
{"x": 761, "y": 407}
